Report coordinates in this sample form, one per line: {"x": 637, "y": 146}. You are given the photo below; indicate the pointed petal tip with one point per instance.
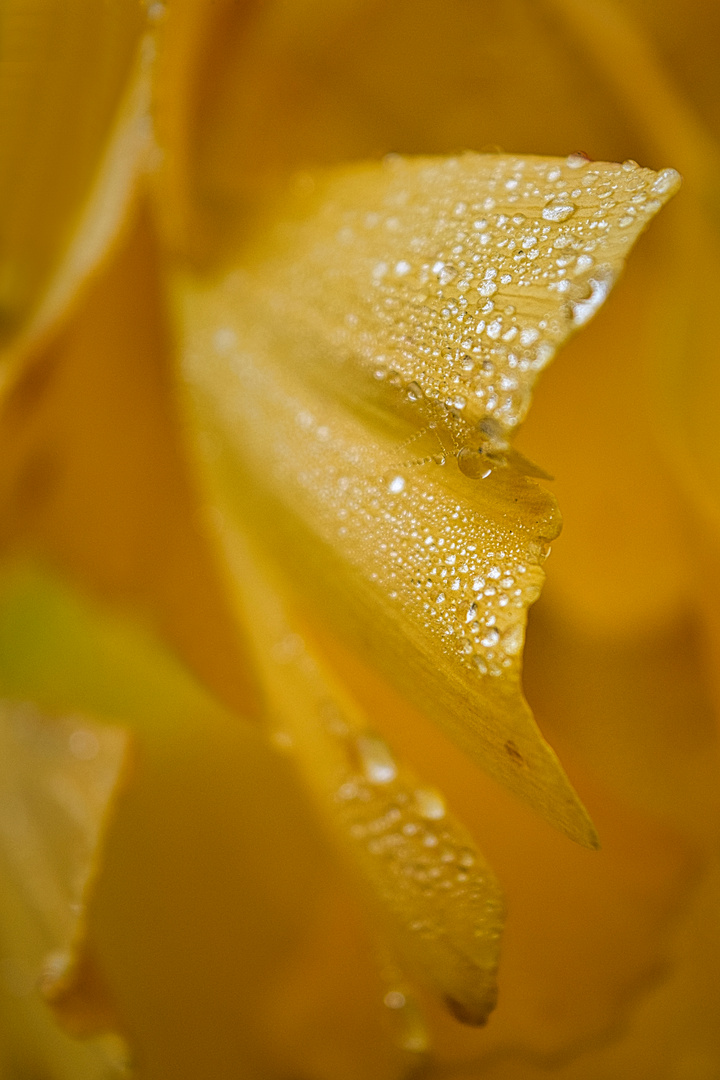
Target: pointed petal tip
{"x": 475, "y": 1014}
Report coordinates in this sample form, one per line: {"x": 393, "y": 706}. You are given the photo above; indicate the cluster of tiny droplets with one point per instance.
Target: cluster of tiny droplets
{"x": 457, "y": 302}
{"x": 418, "y": 849}
{"x": 466, "y": 576}
{"x": 420, "y": 863}
{"x": 464, "y": 298}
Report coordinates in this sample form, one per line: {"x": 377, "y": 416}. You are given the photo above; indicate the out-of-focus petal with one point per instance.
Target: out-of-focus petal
{"x": 279, "y": 87}
{"x": 94, "y": 476}
{"x": 680, "y": 339}
{"x": 685, "y": 37}
{"x": 75, "y": 85}
{"x": 612, "y": 44}
{"x": 192, "y": 34}
{"x": 636, "y": 707}
{"x": 58, "y": 778}
{"x": 623, "y": 563}
{"x": 211, "y": 869}
{"x": 673, "y": 1031}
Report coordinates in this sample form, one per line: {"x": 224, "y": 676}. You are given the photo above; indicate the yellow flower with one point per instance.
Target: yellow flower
{"x": 259, "y": 387}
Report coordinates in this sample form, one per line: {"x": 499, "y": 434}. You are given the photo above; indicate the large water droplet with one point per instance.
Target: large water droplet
{"x": 600, "y": 286}
{"x": 559, "y": 210}
{"x": 445, "y": 272}
{"x": 668, "y": 181}
{"x": 473, "y": 463}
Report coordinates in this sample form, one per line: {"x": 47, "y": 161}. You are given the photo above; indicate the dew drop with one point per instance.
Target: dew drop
{"x": 600, "y": 286}
{"x": 282, "y": 741}
{"x": 473, "y": 463}
{"x": 377, "y": 761}
{"x": 445, "y": 272}
{"x": 84, "y": 744}
{"x": 559, "y": 210}
{"x": 513, "y": 640}
{"x": 396, "y": 485}
{"x": 394, "y": 999}
{"x": 430, "y": 804}
{"x": 224, "y": 340}
{"x": 667, "y": 181}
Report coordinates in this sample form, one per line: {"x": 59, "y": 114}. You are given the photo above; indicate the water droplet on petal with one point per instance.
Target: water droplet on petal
{"x": 473, "y": 463}
{"x": 668, "y": 181}
{"x": 513, "y": 640}
{"x": 430, "y": 804}
{"x": 377, "y": 761}
{"x": 394, "y": 999}
{"x": 559, "y": 210}
{"x": 445, "y": 272}
{"x": 224, "y": 340}
{"x": 600, "y": 286}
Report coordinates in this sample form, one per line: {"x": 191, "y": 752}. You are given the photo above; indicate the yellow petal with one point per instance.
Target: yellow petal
{"x": 417, "y": 863}
{"x": 685, "y": 39}
{"x": 211, "y": 869}
{"x": 59, "y": 777}
{"x": 192, "y": 34}
{"x": 93, "y": 477}
{"x": 75, "y": 86}
{"x": 623, "y": 562}
{"x": 587, "y": 933}
{"x": 459, "y": 276}
{"x": 400, "y": 308}
{"x": 289, "y": 86}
